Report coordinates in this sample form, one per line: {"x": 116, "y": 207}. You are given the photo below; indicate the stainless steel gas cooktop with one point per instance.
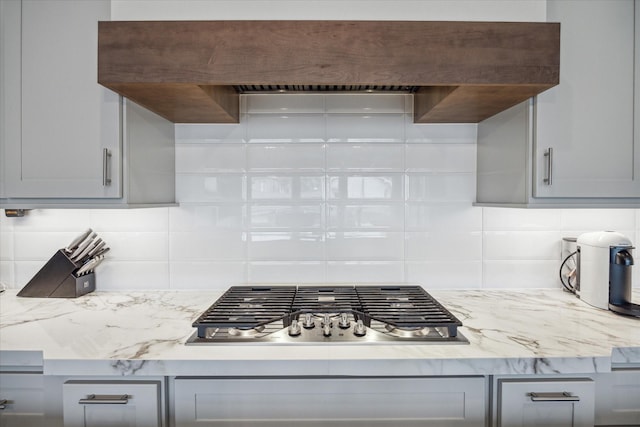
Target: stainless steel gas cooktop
{"x": 403, "y": 314}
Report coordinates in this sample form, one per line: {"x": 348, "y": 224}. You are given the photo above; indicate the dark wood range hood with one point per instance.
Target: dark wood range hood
{"x": 460, "y": 72}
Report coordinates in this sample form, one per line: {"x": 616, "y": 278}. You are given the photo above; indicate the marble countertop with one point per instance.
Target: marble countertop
{"x": 539, "y": 331}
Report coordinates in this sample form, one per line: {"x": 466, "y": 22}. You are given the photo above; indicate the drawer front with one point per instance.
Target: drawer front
{"x": 112, "y": 403}
{"x": 545, "y": 403}
{"x": 330, "y": 402}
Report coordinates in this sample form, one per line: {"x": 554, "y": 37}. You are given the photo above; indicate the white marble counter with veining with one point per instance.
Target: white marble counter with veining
{"x": 143, "y": 333}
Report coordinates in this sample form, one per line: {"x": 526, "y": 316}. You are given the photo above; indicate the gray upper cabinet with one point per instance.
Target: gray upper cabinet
{"x": 573, "y": 145}
{"x": 67, "y": 141}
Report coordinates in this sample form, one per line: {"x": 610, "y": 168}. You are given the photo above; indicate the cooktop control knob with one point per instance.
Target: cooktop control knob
{"x": 344, "y": 322}
{"x": 359, "y": 330}
{"x": 308, "y": 322}
{"x": 326, "y": 330}
{"x": 326, "y": 320}
{"x": 294, "y": 328}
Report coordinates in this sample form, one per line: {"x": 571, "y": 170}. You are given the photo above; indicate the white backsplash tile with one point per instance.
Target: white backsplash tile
{"x": 294, "y": 272}
{"x": 292, "y": 246}
{"x": 206, "y": 274}
{"x": 521, "y": 274}
{"x": 365, "y": 128}
{"x": 365, "y": 245}
{"x": 285, "y": 157}
{"x": 365, "y": 272}
{"x": 460, "y": 274}
{"x": 205, "y": 188}
{"x": 275, "y": 128}
{"x": 365, "y": 157}
{"x": 311, "y": 189}
{"x": 211, "y": 158}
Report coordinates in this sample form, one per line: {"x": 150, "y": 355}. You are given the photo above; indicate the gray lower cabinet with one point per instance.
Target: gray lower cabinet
{"x": 22, "y": 400}
{"x": 315, "y": 402}
{"x": 618, "y": 398}
{"x": 93, "y": 403}
{"x": 545, "y": 402}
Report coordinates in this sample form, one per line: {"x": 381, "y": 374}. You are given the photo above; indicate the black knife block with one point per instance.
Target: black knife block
{"x": 57, "y": 279}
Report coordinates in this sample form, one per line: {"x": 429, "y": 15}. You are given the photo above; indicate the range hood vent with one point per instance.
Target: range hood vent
{"x": 458, "y": 72}
{"x": 246, "y": 89}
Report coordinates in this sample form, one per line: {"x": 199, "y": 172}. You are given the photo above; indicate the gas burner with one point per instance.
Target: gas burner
{"x": 246, "y": 333}
{"x": 427, "y": 332}
{"x": 344, "y": 314}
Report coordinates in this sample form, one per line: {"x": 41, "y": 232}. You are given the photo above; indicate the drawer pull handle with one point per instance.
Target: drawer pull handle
{"x": 94, "y": 399}
{"x": 3, "y": 403}
{"x": 561, "y": 396}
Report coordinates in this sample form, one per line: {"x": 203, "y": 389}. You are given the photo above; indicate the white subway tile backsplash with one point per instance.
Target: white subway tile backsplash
{"x": 281, "y": 246}
{"x": 365, "y": 128}
{"x": 291, "y": 217}
{"x": 206, "y": 188}
{"x": 439, "y": 133}
{"x": 366, "y": 187}
{"x": 460, "y": 274}
{"x": 137, "y": 246}
{"x": 598, "y": 219}
{"x": 53, "y": 220}
{"x": 129, "y": 220}
{"x": 441, "y": 187}
{"x": 521, "y": 245}
{"x": 457, "y": 217}
{"x": 445, "y": 245}
{"x": 285, "y": 157}
{"x": 365, "y": 246}
{"x": 365, "y": 157}
{"x": 441, "y": 158}
{"x": 313, "y": 188}
{"x": 127, "y": 275}
{"x": 274, "y": 128}
{"x": 226, "y": 216}
{"x": 365, "y": 272}
{"x": 521, "y": 274}
{"x": 209, "y": 133}
{"x": 285, "y": 103}
{"x": 211, "y": 158}
{"x": 365, "y": 103}
{"x": 496, "y": 219}
{"x": 282, "y": 272}
{"x": 207, "y": 246}
{"x": 207, "y": 275}
{"x": 388, "y": 217}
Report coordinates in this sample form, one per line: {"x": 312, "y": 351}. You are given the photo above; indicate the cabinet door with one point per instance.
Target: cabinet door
{"x": 24, "y": 396}
{"x": 112, "y": 404}
{"x": 587, "y": 120}
{"x": 545, "y": 403}
{"x": 65, "y": 120}
{"x": 388, "y": 402}
{"x": 618, "y": 398}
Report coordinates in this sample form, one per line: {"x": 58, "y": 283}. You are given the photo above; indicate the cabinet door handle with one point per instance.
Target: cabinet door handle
{"x": 3, "y": 403}
{"x": 549, "y": 155}
{"x": 118, "y": 399}
{"x": 106, "y": 171}
{"x": 558, "y": 396}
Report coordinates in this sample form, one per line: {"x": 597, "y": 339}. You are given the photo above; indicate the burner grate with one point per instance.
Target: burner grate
{"x": 406, "y": 307}
{"x": 246, "y": 307}
{"x": 331, "y": 299}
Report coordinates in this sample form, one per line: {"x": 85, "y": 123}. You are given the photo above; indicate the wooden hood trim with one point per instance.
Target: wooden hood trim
{"x": 466, "y": 71}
